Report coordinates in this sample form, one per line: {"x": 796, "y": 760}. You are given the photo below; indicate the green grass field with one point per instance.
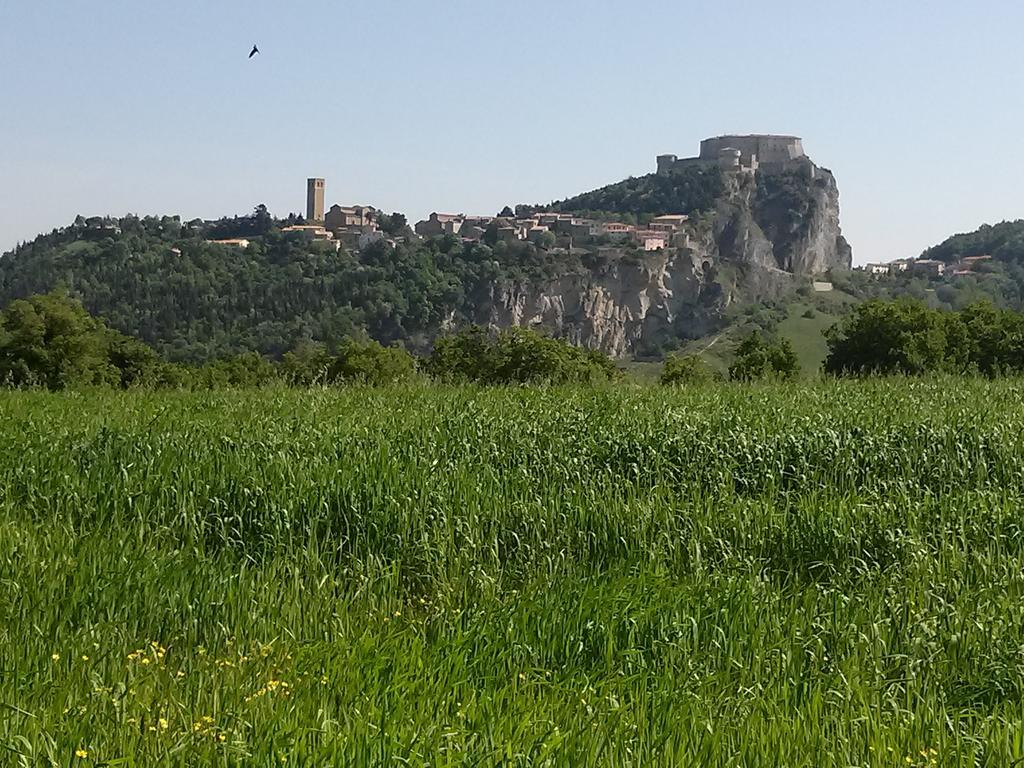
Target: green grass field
{"x": 818, "y": 575}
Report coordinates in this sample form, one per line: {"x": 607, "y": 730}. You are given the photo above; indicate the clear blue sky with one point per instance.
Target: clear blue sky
{"x": 120, "y": 106}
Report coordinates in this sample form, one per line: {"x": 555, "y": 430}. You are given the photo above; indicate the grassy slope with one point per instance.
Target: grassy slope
{"x": 805, "y": 334}
{"x": 818, "y": 575}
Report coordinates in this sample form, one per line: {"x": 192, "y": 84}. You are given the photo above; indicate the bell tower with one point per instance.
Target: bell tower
{"x": 314, "y": 200}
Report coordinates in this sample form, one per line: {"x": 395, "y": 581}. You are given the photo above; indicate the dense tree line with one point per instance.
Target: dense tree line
{"x": 51, "y": 341}
{"x": 907, "y": 337}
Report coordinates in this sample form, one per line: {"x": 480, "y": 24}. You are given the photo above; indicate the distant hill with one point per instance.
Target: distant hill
{"x": 1003, "y": 241}
{"x": 999, "y": 279}
{"x": 161, "y": 280}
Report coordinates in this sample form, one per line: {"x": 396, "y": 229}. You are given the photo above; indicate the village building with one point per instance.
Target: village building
{"x": 650, "y": 240}
{"x": 341, "y": 217}
{"x": 440, "y": 224}
{"x": 928, "y": 268}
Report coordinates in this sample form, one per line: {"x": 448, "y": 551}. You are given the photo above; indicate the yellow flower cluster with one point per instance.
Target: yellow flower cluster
{"x": 205, "y": 726}
{"x": 161, "y": 725}
{"x": 145, "y": 656}
{"x": 924, "y": 759}
{"x": 271, "y": 687}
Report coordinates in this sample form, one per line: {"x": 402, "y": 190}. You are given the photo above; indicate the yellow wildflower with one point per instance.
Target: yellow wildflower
{"x": 81, "y": 754}
{"x": 163, "y": 723}
{"x": 84, "y": 657}
{"x": 55, "y": 657}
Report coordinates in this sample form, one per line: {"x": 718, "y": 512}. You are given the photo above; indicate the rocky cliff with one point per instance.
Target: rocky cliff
{"x": 764, "y": 232}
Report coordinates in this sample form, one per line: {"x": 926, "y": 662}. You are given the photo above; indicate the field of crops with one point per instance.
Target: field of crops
{"x": 816, "y": 575}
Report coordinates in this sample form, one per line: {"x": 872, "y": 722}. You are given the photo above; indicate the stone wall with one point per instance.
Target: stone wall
{"x": 768, "y": 149}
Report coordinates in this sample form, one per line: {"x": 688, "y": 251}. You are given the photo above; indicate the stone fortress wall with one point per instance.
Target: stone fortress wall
{"x": 734, "y": 152}
{"x": 767, "y": 149}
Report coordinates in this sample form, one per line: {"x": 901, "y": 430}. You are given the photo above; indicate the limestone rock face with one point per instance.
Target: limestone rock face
{"x": 765, "y": 231}
{"x": 618, "y": 307}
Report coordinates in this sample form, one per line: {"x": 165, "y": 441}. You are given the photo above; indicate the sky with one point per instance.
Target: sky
{"x": 121, "y": 106}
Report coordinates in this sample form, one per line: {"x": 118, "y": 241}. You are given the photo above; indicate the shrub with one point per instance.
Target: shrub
{"x": 371, "y": 363}
{"x": 896, "y": 337}
{"x": 514, "y": 356}
{"x": 51, "y": 341}
{"x": 687, "y": 369}
{"x": 758, "y": 359}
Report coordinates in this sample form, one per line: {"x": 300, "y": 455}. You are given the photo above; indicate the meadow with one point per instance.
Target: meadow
{"x": 823, "y": 574}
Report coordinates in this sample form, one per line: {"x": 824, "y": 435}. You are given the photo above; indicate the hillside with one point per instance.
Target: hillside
{"x": 1003, "y": 241}
{"x": 194, "y": 300}
{"x": 690, "y": 191}
{"x": 997, "y": 277}
{"x": 162, "y": 280}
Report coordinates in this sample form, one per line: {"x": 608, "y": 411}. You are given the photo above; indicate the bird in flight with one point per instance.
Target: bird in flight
{"x": 254, "y": 51}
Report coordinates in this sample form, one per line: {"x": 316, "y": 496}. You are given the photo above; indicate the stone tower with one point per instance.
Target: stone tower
{"x": 314, "y": 200}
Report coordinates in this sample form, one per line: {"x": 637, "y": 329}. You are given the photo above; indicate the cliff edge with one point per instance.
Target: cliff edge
{"x": 762, "y": 231}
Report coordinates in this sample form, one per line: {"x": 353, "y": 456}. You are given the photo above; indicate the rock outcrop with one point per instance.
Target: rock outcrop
{"x": 765, "y": 231}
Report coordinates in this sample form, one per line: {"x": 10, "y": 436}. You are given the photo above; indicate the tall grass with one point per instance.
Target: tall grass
{"x": 819, "y": 575}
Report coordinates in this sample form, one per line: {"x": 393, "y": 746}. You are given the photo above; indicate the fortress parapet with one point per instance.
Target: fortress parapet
{"x": 739, "y": 153}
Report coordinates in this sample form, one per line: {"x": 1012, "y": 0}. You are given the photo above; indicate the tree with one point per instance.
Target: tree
{"x": 546, "y": 240}
{"x": 262, "y": 220}
{"x": 758, "y": 359}
{"x": 307, "y": 364}
{"x": 51, "y": 341}
{"x": 138, "y": 364}
{"x": 882, "y": 337}
{"x": 681, "y": 370}
{"x": 394, "y": 225}
{"x": 995, "y": 338}
{"x": 515, "y": 356}
{"x": 371, "y": 363}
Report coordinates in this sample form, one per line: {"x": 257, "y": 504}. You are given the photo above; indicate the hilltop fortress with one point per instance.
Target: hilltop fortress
{"x": 740, "y": 153}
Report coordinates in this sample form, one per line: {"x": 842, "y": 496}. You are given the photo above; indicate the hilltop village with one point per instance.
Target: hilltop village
{"x": 358, "y": 226}
{"x": 966, "y": 267}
